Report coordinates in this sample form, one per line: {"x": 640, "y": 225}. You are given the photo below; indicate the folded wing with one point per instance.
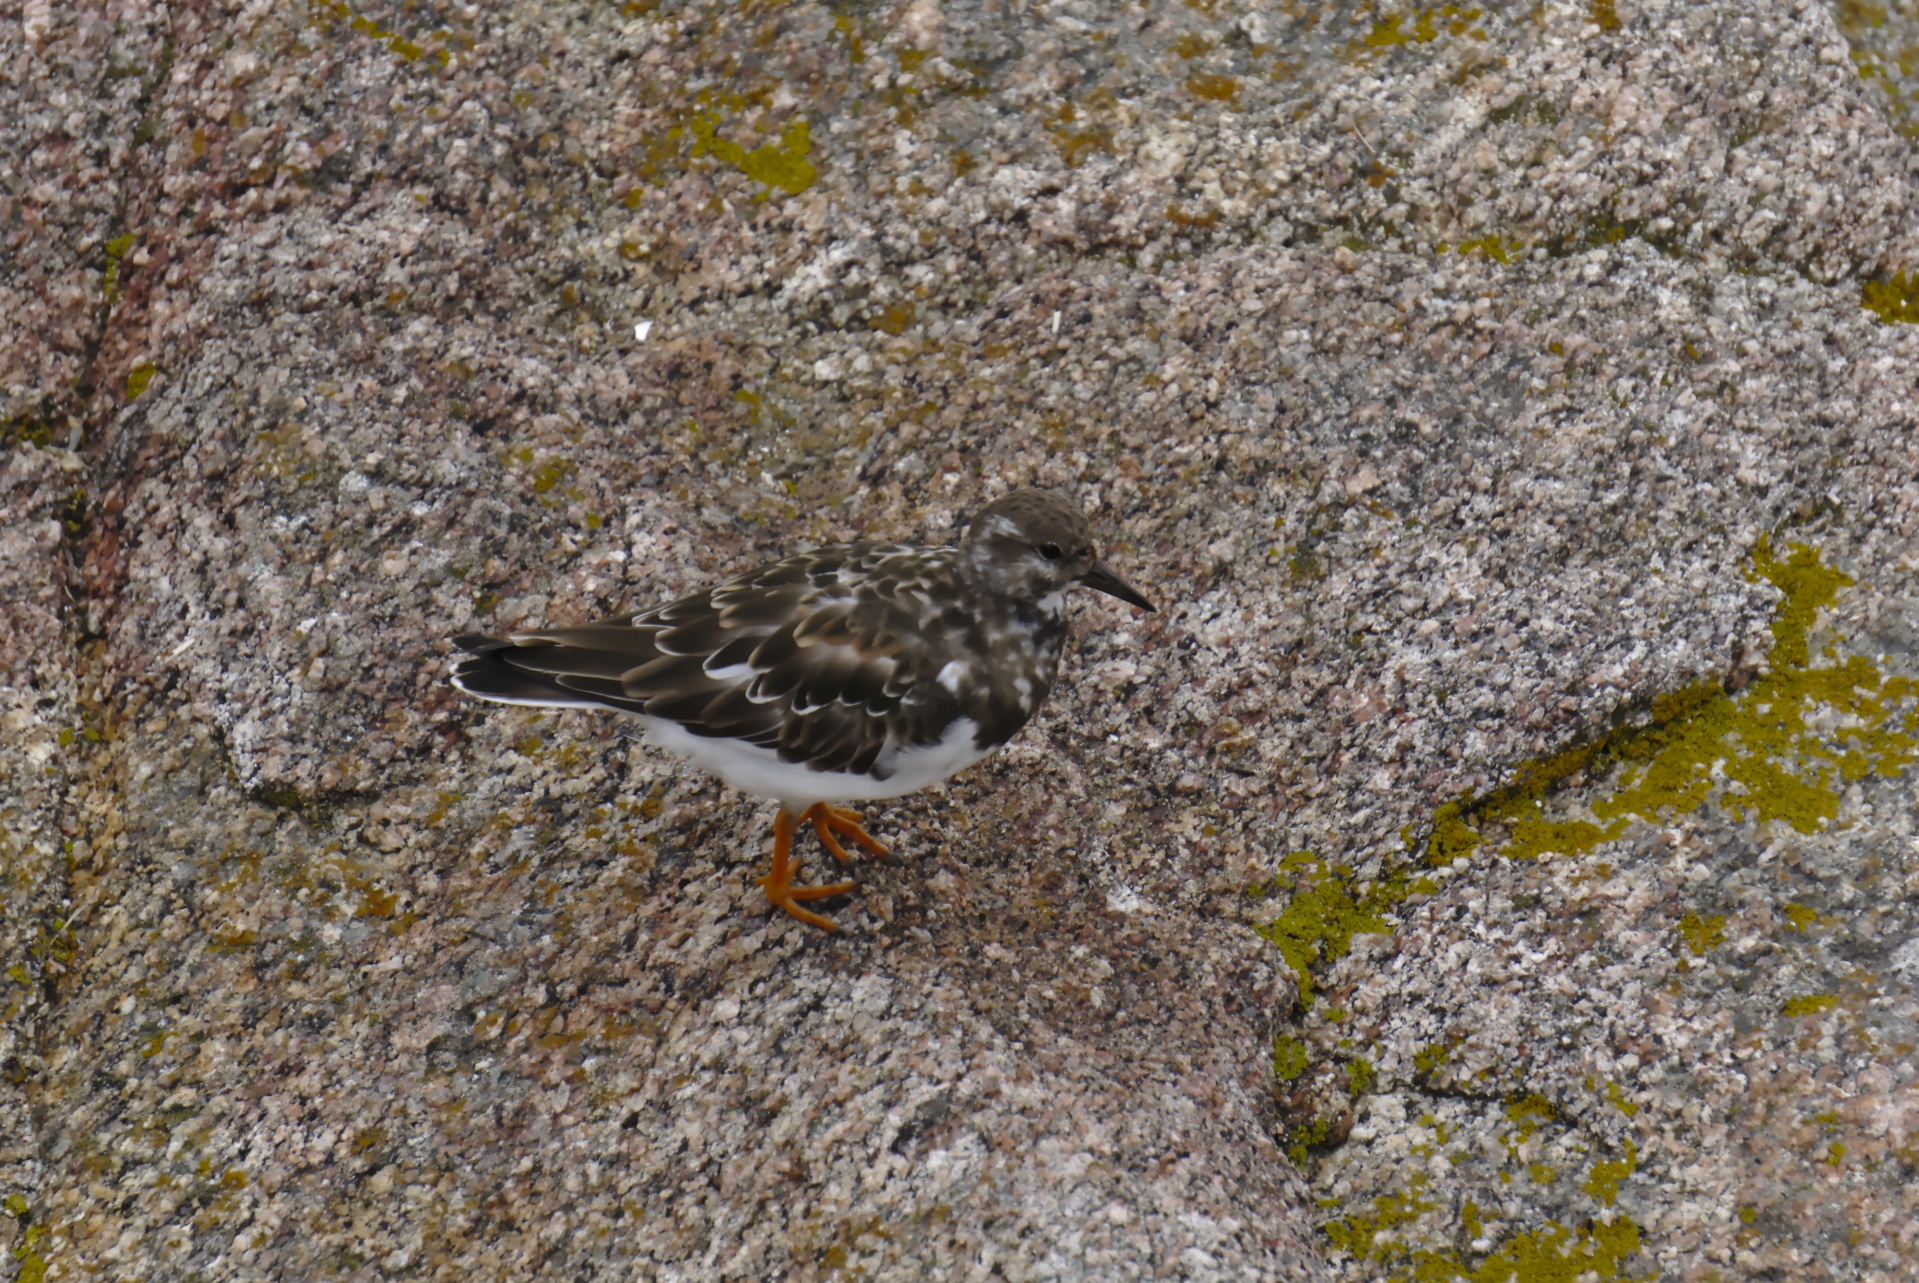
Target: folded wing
{"x": 825, "y": 658}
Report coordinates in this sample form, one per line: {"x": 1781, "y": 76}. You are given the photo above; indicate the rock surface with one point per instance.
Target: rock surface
{"x": 1496, "y": 859}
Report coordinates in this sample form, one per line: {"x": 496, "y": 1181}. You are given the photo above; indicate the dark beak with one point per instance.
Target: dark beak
{"x": 1101, "y": 579}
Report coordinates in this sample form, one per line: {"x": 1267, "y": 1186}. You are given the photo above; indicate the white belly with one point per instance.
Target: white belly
{"x": 760, "y": 772}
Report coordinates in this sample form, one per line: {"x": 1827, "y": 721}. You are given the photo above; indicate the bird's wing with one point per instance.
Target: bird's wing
{"x": 825, "y": 657}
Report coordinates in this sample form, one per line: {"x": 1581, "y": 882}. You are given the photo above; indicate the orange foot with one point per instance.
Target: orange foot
{"x": 831, "y": 823}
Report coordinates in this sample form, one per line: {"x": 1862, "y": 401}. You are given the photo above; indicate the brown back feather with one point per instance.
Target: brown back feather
{"x": 838, "y": 654}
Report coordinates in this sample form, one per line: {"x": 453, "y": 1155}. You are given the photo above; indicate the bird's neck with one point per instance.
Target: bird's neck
{"x": 1024, "y": 640}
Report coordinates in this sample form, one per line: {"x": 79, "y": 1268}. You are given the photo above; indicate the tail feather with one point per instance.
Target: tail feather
{"x": 489, "y": 675}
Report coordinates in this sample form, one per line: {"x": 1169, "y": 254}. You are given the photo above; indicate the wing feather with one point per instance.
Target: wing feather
{"x": 762, "y": 611}
{"x": 665, "y": 675}
{"x": 602, "y": 690}
{"x": 732, "y": 713}
{"x": 824, "y": 677}
{"x": 774, "y": 653}
{"x": 699, "y": 637}
{"x": 683, "y": 706}
{"x": 828, "y": 626}
{"x": 830, "y": 658}
{"x": 605, "y": 634}
{"x": 866, "y": 680}
{"x": 574, "y": 661}
{"x": 735, "y": 654}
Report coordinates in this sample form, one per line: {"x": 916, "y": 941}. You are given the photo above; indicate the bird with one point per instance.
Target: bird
{"x": 848, "y": 673}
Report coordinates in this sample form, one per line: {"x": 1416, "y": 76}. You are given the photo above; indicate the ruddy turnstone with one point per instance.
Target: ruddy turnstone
{"x": 849, "y": 673}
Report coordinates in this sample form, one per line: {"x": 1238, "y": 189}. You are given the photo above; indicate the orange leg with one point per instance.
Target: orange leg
{"x": 779, "y": 879}
{"x": 833, "y": 823}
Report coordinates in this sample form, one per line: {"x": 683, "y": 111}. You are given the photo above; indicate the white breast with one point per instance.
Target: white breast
{"x": 759, "y": 772}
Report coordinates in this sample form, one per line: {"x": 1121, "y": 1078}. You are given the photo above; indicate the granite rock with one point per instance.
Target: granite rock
{"x": 1490, "y": 399}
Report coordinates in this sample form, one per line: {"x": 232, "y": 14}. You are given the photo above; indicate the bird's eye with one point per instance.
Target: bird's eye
{"x": 1050, "y": 551}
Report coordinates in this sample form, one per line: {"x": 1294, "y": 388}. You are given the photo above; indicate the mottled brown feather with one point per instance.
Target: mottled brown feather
{"x": 833, "y": 657}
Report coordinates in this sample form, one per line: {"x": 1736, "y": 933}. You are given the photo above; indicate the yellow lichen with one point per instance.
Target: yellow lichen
{"x": 784, "y": 166}
{"x": 1386, "y": 32}
{"x": 896, "y": 318}
{"x": 1289, "y": 1058}
{"x": 1300, "y": 1141}
{"x": 1359, "y": 1235}
{"x": 1452, "y": 837}
{"x": 1213, "y": 88}
{"x": 1604, "y": 1180}
{"x": 396, "y": 44}
{"x": 1322, "y": 917}
{"x": 1527, "y": 1112}
{"x": 1801, "y": 917}
{"x": 1780, "y": 751}
{"x": 1192, "y": 45}
{"x": 1768, "y": 743}
{"x": 1501, "y": 249}
{"x": 1895, "y": 301}
{"x": 702, "y": 131}
{"x": 1557, "y": 1254}
{"x": 1428, "y": 1061}
{"x": 1703, "y": 934}
{"x": 110, "y": 284}
{"x": 1079, "y": 137}
{"x": 1552, "y": 1254}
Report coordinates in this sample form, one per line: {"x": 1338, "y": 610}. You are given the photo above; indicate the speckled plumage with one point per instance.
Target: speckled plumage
{"x": 850, "y": 672}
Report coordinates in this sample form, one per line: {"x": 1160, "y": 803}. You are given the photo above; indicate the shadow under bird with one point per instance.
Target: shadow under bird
{"x": 846, "y": 674}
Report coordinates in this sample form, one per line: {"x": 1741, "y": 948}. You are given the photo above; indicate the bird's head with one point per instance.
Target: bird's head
{"x": 1031, "y": 545}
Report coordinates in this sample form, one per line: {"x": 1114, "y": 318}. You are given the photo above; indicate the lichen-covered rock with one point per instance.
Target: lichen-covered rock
{"x": 1495, "y": 858}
